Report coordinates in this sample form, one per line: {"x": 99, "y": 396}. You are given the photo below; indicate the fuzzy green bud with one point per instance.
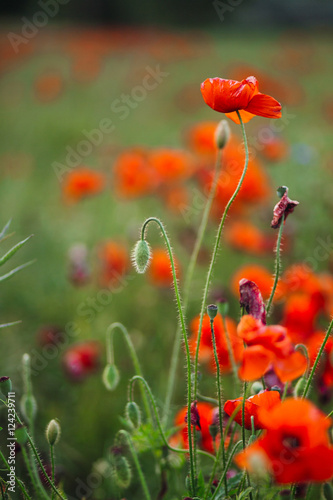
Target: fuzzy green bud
{"x": 21, "y": 435}
{"x": 141, "y": 256}
{"x": 328, "y": 491}
{"x": 212, "y": 311}
{"x": 133, "y": 414}
{"x": 53, "y": 432}
{"x": 111, "y": 377}
{"x": 299, "y": 387}
{"x": 29, "y": 407}
{"x": 5, "y": 385}
{"x": 256, "y": 388}
{"x": 222, "y": 134}
{"x": 122, "y": 471}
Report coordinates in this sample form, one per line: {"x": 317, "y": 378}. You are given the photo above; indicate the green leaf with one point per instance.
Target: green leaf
{"x": 245, "y": 494}
{"x": 13, "y": 250}
{"x": 4, "y": 325}
{"x": 5, "y": 229}
{"x": 16, "y": 270}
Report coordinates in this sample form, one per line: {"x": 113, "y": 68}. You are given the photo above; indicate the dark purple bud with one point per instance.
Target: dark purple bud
{"x": 195, "y": 417}
{"x": 282, "y": 209}
{"x": 251, "y": 299}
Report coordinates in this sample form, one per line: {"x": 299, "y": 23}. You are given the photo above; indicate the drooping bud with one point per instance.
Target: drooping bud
{"x": 251, "y": 299}
{"x": 222, "y": 134}
{"x": 195, "y": 417}
{"x": 299, "y": 387}
{"x": 141, "y": 256}
{"x": 283, "y": 208}
{"x": 212, "y": 311}
{"x": 5, "y": 385}
{"x": 121, "y": 468}
{"x": 133, "y": 414}
{"x": 21, "y": 434}
{"x": 256, "y": 388}
{"x": 53, "y": 432}
{"x": 111, "y": 377}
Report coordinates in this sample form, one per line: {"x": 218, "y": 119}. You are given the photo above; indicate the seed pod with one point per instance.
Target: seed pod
{"x": 212, "y": 311}
{"x": 133, "y": 414}
{"x": 111, "y": 377}
{"x": 53, "y": 432}
{"x": 141, "y": 256}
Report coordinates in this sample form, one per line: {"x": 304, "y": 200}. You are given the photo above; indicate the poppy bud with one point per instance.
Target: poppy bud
{"x": 141, "y": 256}
{"x": 5, "y": 385}
{"x": 256, "y": 388}
{"x": 251, "y": 299}
{"x": 53, "y": 432}
{"x": 223, "y": 307}
{"x": 133, "y": 414}
{"x": 21, "y": 434}
{"x": 222, "y": 134}
{"x": 212, "y": 311}
{"x": 299, "y": 387}
{"x": 121, "y": 470}
{"x": 111, "y": 377}
{"x": 29, "y": 407}
{"x": 328, "y": 491}
{"x": 195, "y": 417}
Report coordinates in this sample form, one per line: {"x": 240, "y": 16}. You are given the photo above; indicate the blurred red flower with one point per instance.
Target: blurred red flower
{"x": 159, "y": 271}
{"x": 229, "y": 96}
{"x": 81, "y": 360}
{"x": 133, "y": 174}
{"x": 82, "y": 182}
{"x": 114, "y": 262}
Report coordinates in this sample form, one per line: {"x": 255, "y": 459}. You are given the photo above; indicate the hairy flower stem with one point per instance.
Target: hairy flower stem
{"x": 320, "y": 352}
{"x": 230, "y": 352}
{"x": 219, "y": 397}
{"x": 19, "y": 482}
{"x": 214, "y": 255}
{"x": 188, "y": 357}
{"x": 134, "y": 357}
{"x": 218, "y": 487}
{"x": 277, "y": 267}
{"x": 243, "y": 434}
{"x": 188, "y": 282}
{"x": 52, "y": 466}
{"x": 137, "y": 463}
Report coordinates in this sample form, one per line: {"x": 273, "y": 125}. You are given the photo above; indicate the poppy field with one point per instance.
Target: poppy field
{"x": 166, "y": 265}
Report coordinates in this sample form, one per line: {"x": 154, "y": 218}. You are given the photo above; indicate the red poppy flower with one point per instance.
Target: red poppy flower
{"x": 81, "y": 360}
{"x": 246, "y": 237}
{"x": 206, "y": 414}
{"x": 159, "y": 271}
{"x": 295, "y": 447}
{"x": 229, "y": 96}
{"x": 265, "y": 399}
{"x": 82, "y": 182}
{"x": 171, "y": 165}
{"x": 200, "y": 138}
{"x": 114, "y": 263}
{"x": 206, "y": 353}
{"x": 133, "y": 175}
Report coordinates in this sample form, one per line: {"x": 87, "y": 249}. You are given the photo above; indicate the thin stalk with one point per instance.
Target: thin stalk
{"x": 214, "y": 254}
{"x": 243, "y": 434}
{"x": 226, "y": 469}
{"x": 219, "y": 396}
{"x": 137, "y": 464}
{"x": 320, "y": 352}
{"x": 188, "y": 357}
{"x": 52, "y": 466}
{"x": 19, "y": 482}
{"x": 277, "y": 267}
{"x": 230, "y": 351}
{"x": 187, "y": 285}
{"x": 29, "y": 469}
{"x": 285, "y": 390}
{"x": 158, "y": 420}
{"x": 134, "y": 357}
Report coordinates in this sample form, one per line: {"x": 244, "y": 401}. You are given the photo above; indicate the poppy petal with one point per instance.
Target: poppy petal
{"x": 264, "y": 105}
{"x": 245, "y": 115}
{"x": 291, "y": 367}
{"x": 256, "y": 361}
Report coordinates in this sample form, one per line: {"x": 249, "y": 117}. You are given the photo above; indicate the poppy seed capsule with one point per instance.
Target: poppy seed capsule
{"x": 53, "y": 432}
{"x": 141, "y": 256}
{"x": 212, "y": 311}
{"x": 222, "y": 134}
{"x": 5, "y": 385}
{"x": 133, "y": 414}
{"x": 111, "y": 377}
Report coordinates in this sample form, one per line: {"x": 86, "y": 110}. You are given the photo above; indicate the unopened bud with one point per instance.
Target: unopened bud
{"x": 111, "y": 377}
{"x": 212, "y": 311}
{"x": 21, "y": 435}
{"x": 29, "y": 407}
{"x": 122, "y": 471}
{"x": 141, "y": 256}
{"x": 53, "y": 432}
{"x": 299, "y": 387}
{"x": 133, "y": 414}
{"x": 222, "y": 134}
{"x": 256, "y": 388}
{"x": 328, "y": 491}
{"x": 223, "y": 307}
{"x": 5, "y": 385}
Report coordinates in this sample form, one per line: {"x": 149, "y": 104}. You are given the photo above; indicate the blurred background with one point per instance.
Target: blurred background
{"x": 103, "y": 125}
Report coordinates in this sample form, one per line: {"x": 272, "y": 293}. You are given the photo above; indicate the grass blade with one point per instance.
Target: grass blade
{"x": 13, "y": 250}
{"x": 16, "y": 270}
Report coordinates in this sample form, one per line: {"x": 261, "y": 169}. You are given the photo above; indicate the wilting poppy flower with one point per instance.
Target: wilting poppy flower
{"x": 206, "y": 353}
{"x": 251, "y": 299}
{"x": 282, "y": 209}
{"x": 133, "y": 174}
{"x": 268, "y": 346}
{"x": 295, "y": 448}
{"x": 159, "y": 271}
{"x": 265, "y": 399}
{"x": 82, "y": 182}
{"x": 206, "y": 413}
{"x": 244, "y": 236}
{"x": 81, "y": 359}
{"x": 114, "y": 263}
{"x": 261, "y": 276}
{"x": 229, "y": 96}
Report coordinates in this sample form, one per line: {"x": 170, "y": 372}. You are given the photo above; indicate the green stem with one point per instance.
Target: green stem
{"x": 243, "y": 434}
{"x": 214, "y": 255}
{"x": 188, "y": 357}
{"x": 32, "y": 476}
{"x": 137, "y": 463}
{"x": 226, "y": 469}
{"x": 285, "y": 390}
{"x": 52, "y": 466}
{"x": 135, "y": 360}
{"x": 19, "y": 482}
{"x": 277, "y": 267}
{"x": 320, "y": 352}
{"x": 187, "y": 285}
{"x": 219, "y": 396}
{"x": 330, "y": 414}
{"x": 158, "y": 421}
{"x": 230, "y": 351}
